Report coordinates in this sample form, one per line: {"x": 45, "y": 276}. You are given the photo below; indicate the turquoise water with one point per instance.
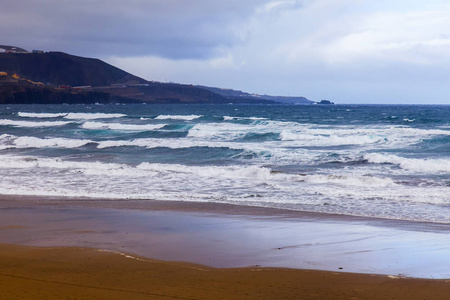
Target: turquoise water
{"x": 364, "y": 160}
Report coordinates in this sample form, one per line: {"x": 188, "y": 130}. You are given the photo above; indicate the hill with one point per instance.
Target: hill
{"x": 17, "y": 90}
{"x": 57, "y": 77}
{"x": 57, "y": 68}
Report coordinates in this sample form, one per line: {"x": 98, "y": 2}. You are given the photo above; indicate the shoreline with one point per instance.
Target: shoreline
{"x": 228, "y": 236}
{"x": 226, "y": 209}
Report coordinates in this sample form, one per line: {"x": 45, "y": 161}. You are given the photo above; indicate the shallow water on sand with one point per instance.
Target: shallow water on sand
{"x": 230, "y": 240}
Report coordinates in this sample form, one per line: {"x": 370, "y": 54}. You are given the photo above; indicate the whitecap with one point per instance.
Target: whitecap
{"x": 331, "y": 140}
{"x": 10, "y": 141}
{"x": 5, "y": 122}
{"x": 121, "y": 126}
{"x": 178, "y": 117}
{"x": 228, "y": 118}
{"x": 41, "y": 115}
{"x": 411, "y": 164}
{"x": 34, "y": 142}
{"x": 92, "y": 116}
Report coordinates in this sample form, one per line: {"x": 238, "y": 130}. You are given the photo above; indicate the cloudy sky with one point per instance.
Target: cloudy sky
{"x": 348, "y": 51}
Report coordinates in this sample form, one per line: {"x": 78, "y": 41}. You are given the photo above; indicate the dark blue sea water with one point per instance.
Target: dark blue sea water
{"x": 363, "y": 160}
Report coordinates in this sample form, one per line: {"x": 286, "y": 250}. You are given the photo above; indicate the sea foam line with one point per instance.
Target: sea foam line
{"x": 41, "y": 115}
{"x": 91, "y": 116}
{"x": 178, "y": 117}
{"x": 228, "y": 118}
{"x": 121, "y": 126}
{"x": 5, "y": 122}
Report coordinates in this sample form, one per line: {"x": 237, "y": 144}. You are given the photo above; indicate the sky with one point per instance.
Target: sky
{"x": 346, "y": 51}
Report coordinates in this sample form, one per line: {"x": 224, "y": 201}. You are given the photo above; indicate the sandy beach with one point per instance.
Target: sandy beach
{"x": 56, "y": 249}
{"x": 76, "y": 273}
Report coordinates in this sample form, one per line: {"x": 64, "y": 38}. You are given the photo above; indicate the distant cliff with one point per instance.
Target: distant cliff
{"x": 240, "y": 96}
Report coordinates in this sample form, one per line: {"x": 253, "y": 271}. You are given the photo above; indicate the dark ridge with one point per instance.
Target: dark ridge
{"x": 157, "y": 92}
{"x": 23, "y": 93}
{"x": 57, "y": 68}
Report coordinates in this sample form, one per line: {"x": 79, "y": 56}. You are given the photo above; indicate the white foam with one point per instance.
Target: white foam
{"x": 264, "y": 152}
{"x": 302, "y": 135}
{"x": 41, "y": 115}
{"x": 92, "y": 116}
{"x": 121, "y": 126}
{"x": 223, "y": 131}
{"x": 6, "y": 122}
{"x": 230, "y": 131}
{"x": 178, "y": 117}
{"x": 10, "y": 141}
{"x": 33, "y": 142}
{"x": 413, "y": 164}
{"x": 228, "y": 118}
{"x": 253, "y": 172}
{"x": 174, "y": 143}
{"x": 346, "y": 192}
{"x": 156, "y": 143}
{"x": 143, "y": 169}
{"x": 350, "y": 180}
{"x": 26, "y": 162}
{"x": 333, "y": 140}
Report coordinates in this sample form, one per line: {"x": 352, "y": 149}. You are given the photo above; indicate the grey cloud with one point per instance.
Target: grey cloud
{"x": 168, "y": 28}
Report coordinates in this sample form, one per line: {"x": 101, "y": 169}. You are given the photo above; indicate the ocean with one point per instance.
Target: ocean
{"x": 375, "y": 161}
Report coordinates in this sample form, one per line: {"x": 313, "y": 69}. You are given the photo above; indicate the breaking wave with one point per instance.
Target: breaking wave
{"x": 178, "y": 117}
{"x": 41, "y": 115}
{"x": 9, "y": 141}
{"x": 411, "y": 164}
{"x": 92, "y": 116}
{"x": 121, "y": 126}
{"x": 5, "y": 122}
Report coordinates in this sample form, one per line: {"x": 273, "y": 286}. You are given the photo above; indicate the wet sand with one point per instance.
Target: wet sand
{"x": 76, "y": 273}
{"x": 243, "y": 244}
